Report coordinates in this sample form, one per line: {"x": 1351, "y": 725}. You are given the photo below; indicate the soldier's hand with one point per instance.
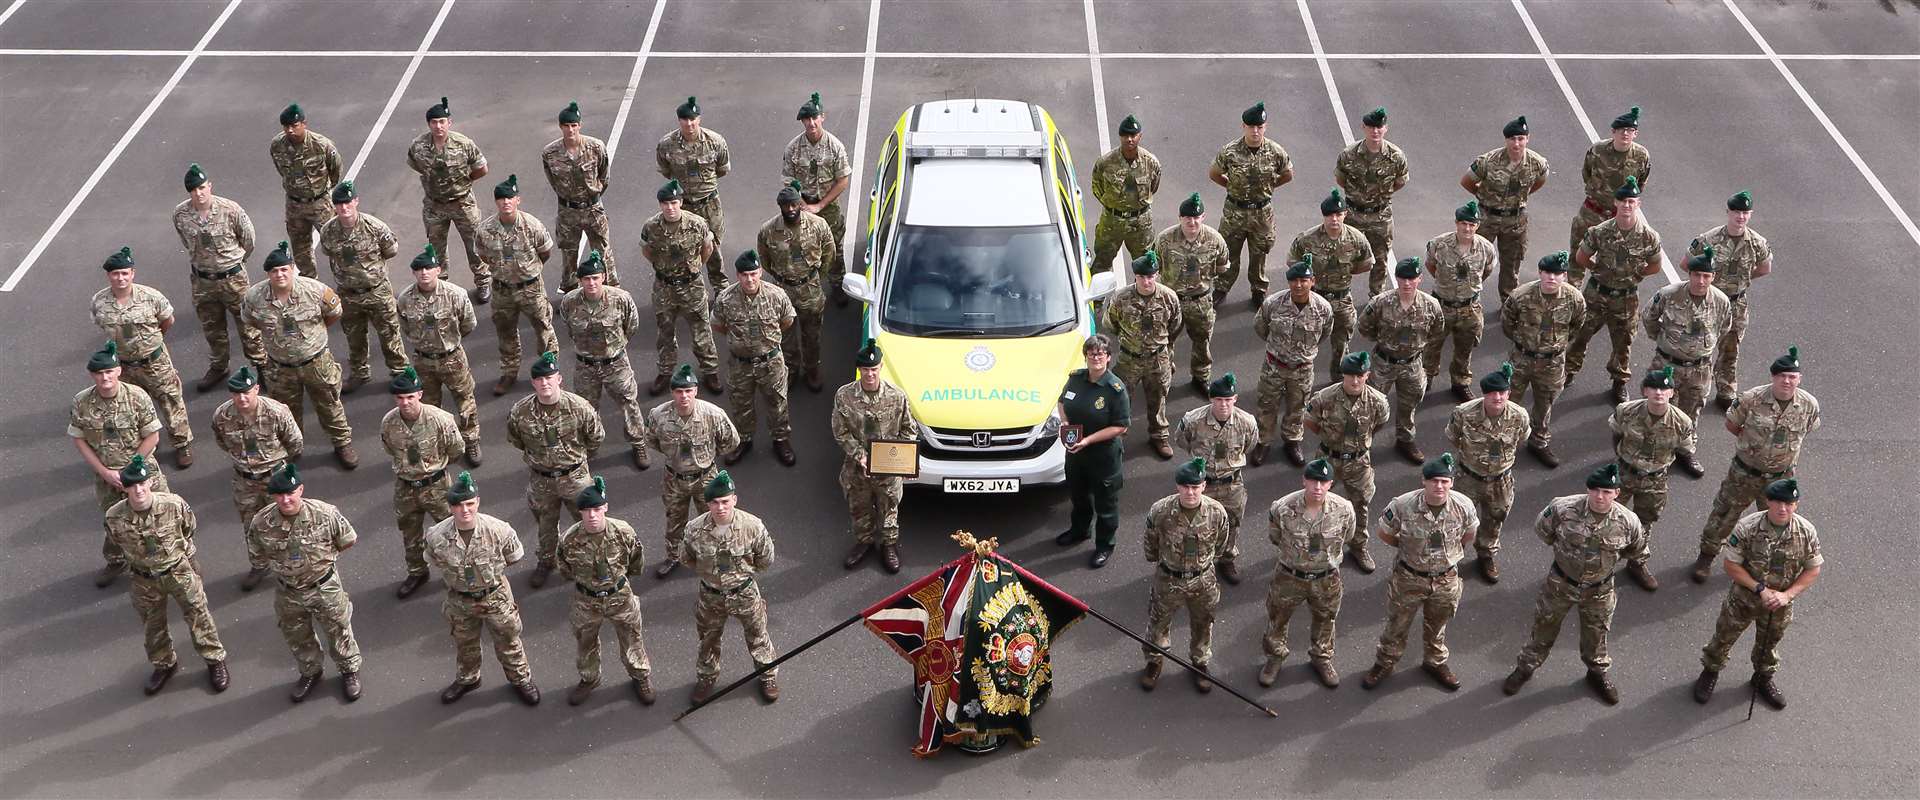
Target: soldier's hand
{"x": 113, "y": 479}
{"x": 194, "y": 562}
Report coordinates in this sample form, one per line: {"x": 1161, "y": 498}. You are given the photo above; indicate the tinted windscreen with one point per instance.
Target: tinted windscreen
{"x": 979, "y": 282}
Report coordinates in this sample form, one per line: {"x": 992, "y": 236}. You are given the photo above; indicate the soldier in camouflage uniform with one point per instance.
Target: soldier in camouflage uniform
{"x": 1187, "y": 533}
{"x": 434, "y": 316}
{"x": 1685, "y": 322}
{"x": 111, "y": 422}
{"x": 726, "y": 547}
{"x": 449, "y": 163}
{"x": 218, "y": 239}
{"x": 1622, "y": 251}
{"x": 1769, "y": 424}
{"x": 600, "y": 319}
{"x": 1607, "y": 165}
{"x": 1346, "y": 415}
{"x": 1740, "y": 256}
{"x": 422, "y": 441}
{"x": 692, "y": 434}
{"x": 755, "y": 316}
{"x": 1339, "y": 252}
{"x": 514, "y": 248}
{"x": 1460, "y": 263}
{"x": 698, "y": 159}
{"x": 298, "y": 540}
{"x": 1125, "y": 179}
{"x": 864, "y": 410}
{"x": 1142, "y": 320}
{"x": 1538, "y": 318}
{"x": 472, "y": 551}
{"x": 577, "y": 166}
{"x": 309, "y": 167}
{"x": 293, "y": 314}
{"x": 1224, "y": 435}
{"x": 1502, "y": 179}
{"x": 357, "y": 247}
{"x": 1194, "y": 254}
{"x": 601, "y": 555}
{"x": 1487, "y": 432}
{"x": 796, "y": 251}
{"x": 1251, "y": 168}
{"x": 1292, "y": 326}
{"x": 676, "y": 242}
{"x": 1774, "y": 558}
{"x": 557, "y": 432}
{"x": 1372, "y": 170}
{"x": 155, "y": 530}
{"x": 1401, "y": 325}
{"x": 1430, "y": 528}
{"x": 260, "y": 434}
{"x": 1309, "y": 526}
{"x": 1646, "y": 434}
{"x": 818, "y": 161}
{"x": 136, "y": 319}
{"x": 1590, "y": 535}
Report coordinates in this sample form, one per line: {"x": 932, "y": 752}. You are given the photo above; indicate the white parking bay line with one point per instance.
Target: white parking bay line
{"x": 399, "y": 90}
{"x": 113, "y": 155}
{"x": 633, "y": 80}
{"x": 1099, "y": 80}
{"x": 1333, "y": 91}
{"x": 8, "y": 14}
{"x": 854, "y": 225}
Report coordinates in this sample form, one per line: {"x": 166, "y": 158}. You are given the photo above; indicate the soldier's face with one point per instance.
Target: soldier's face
{"x": 722, "y": 508}
{"x": 870, "y": 378}
{"x": 689, "y": 128}
{"x": 440, "y": 126}
{"x": 1436, "y": 489}
{"x": 1626, "y": 209}
{"x": 1253, "y": 135}
{"x": 506, "y": 205}
{"x": 1780, "y": 512}
{"x": 1353, "y": 384}
{"x": 1550, "y": 281}
{"x": 1223, "y": 406}
{"x": 120, "y": 279}
{"x": 1144, "y": 283}
{"x": 790, "y": 212}
{"x": 1191, "y": 225}
{"x": 670, "y": 209}
{"x": 296, "y": 131}
{"x": 426, "y": 277}
{"x": 1697, "y": 282}
{"x": 1465, "y": 230}
{"x": 593, "y": 519}
{"x": 465, "y": 513}
{"x": 348, "y": 211}
{"x": 1129, "y": 142}
{"x": 683, "y": 399}
{"x": 749, "y": 281}
{"x": 1316, "y": 490}
{"x": 1298, "y": 288}
{"x": 1190, "y": 494}
{"x": 201, "y": 194}
{"x": 140, "y": 495}
{"x": 107, "y": 381}
{"x": 289, "y": 503}
{"x": 1495, "y": 401}
{"x": 1624, "y": 136}
{"x": 1376, "y": 135}
{"x": 1784, "y": 384}
{"x": 1601, "y": 500}
{"x": 1332, "y": 222}
{"x": 546, "y": 388}
{"x": 1657, "y": 399}
{"x": 1406, "y": 286}
{"x": 591, "y": 283}
{"x": 1516, "y": 144}
{"x": 247, "y": 400}
{"x": 813, "y": 126}
{"x": 570, "y": 131}
{"x": 281, "y": 276}
{"x": 1737, "y": 221}
{"x": 408, "y": 403}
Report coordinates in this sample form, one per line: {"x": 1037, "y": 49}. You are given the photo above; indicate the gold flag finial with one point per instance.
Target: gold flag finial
{"x": 980, "y": 547}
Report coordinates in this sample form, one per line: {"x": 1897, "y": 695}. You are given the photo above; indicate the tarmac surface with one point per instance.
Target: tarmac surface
{"x": 1813, "y": 107}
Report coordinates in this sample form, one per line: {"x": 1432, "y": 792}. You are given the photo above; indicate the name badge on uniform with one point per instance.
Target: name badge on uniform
{"x": 1494, "y": 450}
{"x": 1069, "y": 394}
{"x": 1696, "y": 327}
{"x": 1780, "y": 435}
{"x": 293, "y": 550}
{"x": 683, "y": 457}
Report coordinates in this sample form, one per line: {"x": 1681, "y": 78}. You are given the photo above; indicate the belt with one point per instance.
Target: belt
{"x": 1595, "y": 208}
{"x": 1149, "y": 354}
{"x": 1128, "y": 214}
{"x": 786, "y": 281}
{"x": 810, "y": 198}
{"x": 1746, "y": 468}
{"x": 598, "y": 362}
{"x": 558, "y": 471}
{"x": 1305, "y": 576}
{"x": 1485, "y": 478}
{"x": 1367, "y": 209}
{"x": 710, "y": 196}
{"x": 1395, "y": 361}
{"x": 1538, "y": 354}
{"x": 434, "y": 478}
{"x": 1333, "y": 294}
{"x": 235, "y": 270}
{"x": 1682, "y": 362}
{"x": 1428, "y": 575}
{"x": 1231, "y": 477}
{"x": 468, "y": 195}
{"x": 1341, "y": 455}
{"x": 1275, "y": 360}
{"x": 1459, "y": 303}
{"x": 687, "y": 476}
{"x": 762, "y": 358}
{"x": 298, "y": 364}
{"x": 1505, "y": 212}
{"x": 744, "y": 585}
{"x": 479, "y": 595}
{"x": 582, "y": 588}
{"x": 346, "y": 292}
{"x": 1199, "y": 295}
{"x": 574, "y": 205}
{"x": 1174, "y": 573}
{"x": 298, "y": 199}
{"x": 323, "y": 579}
{"x": 511, "y": 286}
{"x": 1577, "y": 584}
{"x": 685, "y": 278}
{"x": 1597, "y": 286}
{"x": 434, "y": 356}
{"x": 1642, "y": 472}
{"x": 141, "y": 362}
{"x": 154, "y": 575}
{"x": 1250, "y": 205}
{"x": 255, "y": 476}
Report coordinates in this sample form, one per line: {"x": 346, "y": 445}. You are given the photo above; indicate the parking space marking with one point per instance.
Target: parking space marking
{"x": 854, "y": 227}
{"x": 1099, "y": 81}
{"x": 1333, "y": 90}
{"x": 1819, "y": 114}
{"x": 118, "y": 147}
{"x": 948, "y": 56}
{"x": 8, "y": 14}
{"x": 399, "y": 89}
{"x": 633, "y": 81}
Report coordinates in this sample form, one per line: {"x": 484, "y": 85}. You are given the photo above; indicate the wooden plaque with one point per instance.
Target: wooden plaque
{"x": 893, "y": 458}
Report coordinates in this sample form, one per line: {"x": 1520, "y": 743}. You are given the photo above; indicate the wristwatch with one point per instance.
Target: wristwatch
{"x": 1759, "y": 587}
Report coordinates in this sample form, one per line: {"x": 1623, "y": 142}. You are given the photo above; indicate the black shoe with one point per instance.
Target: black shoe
{"x": 1516, "y": 679}
{"x": 541, "y": 571}
{"x": 1603, "y": 686}
{"x": 1443, "y": 675}
{"x": 304, "y": 687}
{"x": 1229, "y": 572}
{"x": 253, "y": 579}
{"x": 350, "y": 686}
{"x": 858, "y": 554}
{"x": 529, "y": 693}
{"x": 1703, "y": 686}
{"x": 412, "y": 584}
{"x": 1291, "y": 449}
{"x": 580, "y": 692}
{"x": 482, "y": 294}
{"x": 1544, "y": 453}
{"x": 666, "y": 568}
{"x": 1258, "y": 455}
{"x": 1150, "y": 677}
{"x": 218, "y": 678}
{"x": 457, "y": 690}
{"x": 1723, "y": 402}
{"x": 1619, "y": 392}
{"x": 1701, "y": 567}
{"x": 105, "y": 576}
{"x": 1462, "y": 393}
{"x": 746, "y": 446}
{"x": 1199, "y": 386}
{"x": 1690, "y": 464}
{"x": 1259, "y": 296}
{"x": 1763, "y": 683}
{"x": 1100, "y": 556}
{"x": 158, "y": 680}
{"x": 1071, "y": 538}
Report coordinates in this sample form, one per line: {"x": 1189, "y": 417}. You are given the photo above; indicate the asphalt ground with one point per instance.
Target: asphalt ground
{"x": 1720, "y": 116}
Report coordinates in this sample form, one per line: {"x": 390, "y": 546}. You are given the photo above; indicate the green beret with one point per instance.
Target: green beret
{"x": 1785, "y": 490}
{"x": 570, "y": 114}
{"x": 441, "y": 110}
{"x": 1318, "y": 469}
{"x": 1631, "y": 119}
{"x": 429, "y": 257}
{"x": 593, "y": 496}
{"x": 547, "y": 364}
{"x": 507, "y": 188}
{"x": 1606, "y": 477}
{"x": 105, "y": 358}
{"x": 1256, "y": 115}
{"x": 121, "y": 259}
{"x": 1787, "y": 363}
{"x": 1375, "y": 118}
{"x": 285, "y": 480}
{"x": 463, "y": 489}
{"x": 1441, "y": 467}
{"x": 1301, "y": 269}
{"x": 720, "y": 486}
{"x": 1334, "y": 204}
{"x": 1518, "y": 127}
{"x": 279, "y": 257}
{"x": 1467, "y": 213}
{"x": 669, "y": 191}
{"x": 1148, "y": 264}
{"x": 593, "y": 264}
{"x": 344, "y": 193}
{"x": 1223, "y": 386}
{"x": 1629, "y": 189}
{"x": 688, "y": 110}
{"x": 812, "y": 108}
{"x": 293, "y": 113}
{"x": 196, "y": 177}
{"x": 1499, "y": 380}
{"x": 1356, "y": 363}
{"x": 1192, "y": 473}
{"x": 683, "y": 378}
{"x": 1129, "y": 126}
{"x": 1702, "y": 262}
{"x": 138, "y": 470}
{"x": 868, "y": 355}
{"x": 242, "y": 380}
{"x": 1555, "y": 261}
{"x": 789, "y": 195}
{"x": 1661, "y": 378}
{"x": 747, "y": 261}
{"x": 406, "y": 381}
{"x": 1740, "y": 201}
{"x": 1192, "y": 206}
{"x": 1408, "y": 267}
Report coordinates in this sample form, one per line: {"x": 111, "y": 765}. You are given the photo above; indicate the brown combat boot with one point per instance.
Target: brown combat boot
{"x": 711, "y": 383}
{"x": 504, "y": 385}
{"x": 105, "y": 576}
{"x": 457, "y": 690}
{"x": 643, "y": 689}
{"x": 1362, "y": 560}
{"x": 666, "y": 568}
{"x": 1689, "y": 463}
{"x": 1703, "y": 685}
{"x": 858, "y": 554}
{"x": 783, "y": 450}
{"x": 1603, "y": 686}
{"x": 353, "y": 383}
{"x": 769, "y": 689}
{"x": 218, "y": 678}
{"x": 158, "y": 680}
{"x": 482, "y": 294}
{"x": 216, "y": 375}
{"x": 890, "y": 558}
{"x": 1763, "y": 684}
{"x": 746, "y": 446}
{"x": 350, "y": 686}
{"x": 1701, "y": 565}
{"x": 473, "y": 455}
{"x": 541, "y": 571}
{"x": 640, "y": 459}
{"x": 1411, "y": 451}
{"x": 1329, "y": 677}
{"x": 1163, "y": 449}
{"x": 1291, "y": 449}
{"x": 1150, "y": 677}
{"x": 1443, "y": 675}
{"x": 304, "y": 687}
{"x": 349, "y": 460}
{"x": 1638, "y": 572}
{"x": 1619, "y": 392}
{"x": 1462, "y": 393}
{"x": 581, "y": 692}
{"x": 1258, "y": 455}
{"x": 1544, "y": 453}
{"x": 1489, "y": 569}
{"x": 253, "y": 579}
{"x": 1259, "y": 296}
{"x": 412, "y": 584}
{"x": 528, "y": 692}
{"x": 814, "y": 383}
{"x": 1723, "y": 402}
{"x": 1374, "y": 676}
{"x": 659, "y": 385}
{"x": 1200, "y": 682}
{"x": 1229, "y": 571}
{"x": 702, "y": 689}
{"x": 183, "y": 456}
{"x": 1270, "y": 672}
{"x": 1516, "y": 679}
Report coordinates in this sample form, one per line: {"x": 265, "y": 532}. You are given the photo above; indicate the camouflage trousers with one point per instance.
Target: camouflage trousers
{"x": 1254, "y": 229}
{"x": 1378, "y": 228}
{"x": 500, "y": 616}
{"x": 1114, "y": 231}
{"x": 617, "y": 381}
{"x": 1433, "y": 599}
{"x": 709, "y": 210}
{"x": 1344, "y": 321}
{"x": 1283, "y": 400}
{"x": 766, "y": 377}
{"x": 1546, "y": 377}
{"x": 303, "y": 218}
{"x": 1741, "y": 490}
{"x": 1353, "y": 479}
{"x": 680, "y": 494}
{"x": 1153, "y": 374}
{"x": 548, "y": 497}
{"x": 1646, "y": 495}
{"x": 1509, "y": 237}
{"x": 710, "y": 612}
{"x": 1492, "y": 500}
{"x": 1405, "y": 385}
{"x": 249, "y": 495}
{"x": 1620, "y": 315}
{"x": 107, "y": 494}
{"x": 1583, "y": 220}
{"x": 1167, "y": 595}
{"x": 1196, "y": 320}
{"x": 213, "y": 302}
{"x": 801, "y": 344}
{"x": 452, "y": 373}
{"x": 836, "y": 220}
{"x": 1741, "y": 609}
{"x": 308, "y": 615}
{"x": 415, "y": 508}
{"x": 363, "y": 315}
{"x": 320, "y": 380}
{"x": 509, "y": 306}
{"x": 572, "y": 223}
{"x": 873, "y": 504}
{"x": 464, "y": 214}
{"x": 1322, "y": 597}
{"x": 162, "y": 383}
{"x": 1463, "y": 325}
{"x": 182, "y": 584}
{"x": 1727, "y": 355}
{"x": 689, "y": 302}
{"x": 1233, "y": 495}
{"x": 1690, "y": 382}
{"x": 621, "y": 610}
{"x": 1557, "y": 595}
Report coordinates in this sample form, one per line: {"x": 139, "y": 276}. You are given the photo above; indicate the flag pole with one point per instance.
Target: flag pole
{"x": 1178, "y": 660}
{"x": 765, "y": 668}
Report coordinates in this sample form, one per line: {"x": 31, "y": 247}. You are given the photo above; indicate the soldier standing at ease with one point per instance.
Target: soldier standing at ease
{"x": 1195, "y": 254}
{"x": 1340, "y": 251}
{"x": 154, "y": 530}
{"x": 1685, "y": 322}
{"x": 1646, "y": 434}
{"x": 676, "y": 242}
{"x": 1741, "y": 255}
{"x": 1502, "y": 179}
{"x": 357, "y": 247}
{"x": 1310, "y": 527}
{"x": 1460, "y": 263}
{"x": 697, "y": 158}
{"x": 472, "y": 551}
{"x": 1401, "y": 325}
{"x": 136, "y": 318}
{"x": 1539, "y": 318}
{"x": 110, "y": 423}
{"x": 1430, "y": 527}
{"x": 726, "y": 547}
{"x": 1224, "y": 435}
{"x": 796, "y": 251}
{"x": 692, "y": 435}
{"x": 601, "y": 555}
{"x": 1607, "y": 165}
{"x": 600, "y": 319}
{"x": 1187, "y": 533}
{"x": 1251, "y": 168}
{"x": 1125, "y": 179}
{"x": 309, "y": 166}
{"x": 435, "y": 316}
{"x": 1590, "y": 534}
{"x": 557, "y": 432}
{"x": 1487, "y": 431}
{"x": 755, "y": 316}
{"x": 293, "y": 314}
{"x": 218, "y": 239}
{"x": 1292, "y": 326}
{"x": 514, "y": 248}
{"x": 1095, "y": 400}
{"x": 260, "y": 434}
{"x": 1346, "y": 415}
{"x": 1143, "y": 319}
{"x": 864, "y": 410}
{"x": 1775, "y": 558}
{"x": 1769, "y": 424}
{"x": 818, "y": 161}
{"x": 422, "y": 441}
{"x": 1372, "y": 170}
{"x": 298, "y": 540}
{"x": 577, "y": 166}
{"x": 449, "y": 163}
{"x": 1622, "y": 252}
